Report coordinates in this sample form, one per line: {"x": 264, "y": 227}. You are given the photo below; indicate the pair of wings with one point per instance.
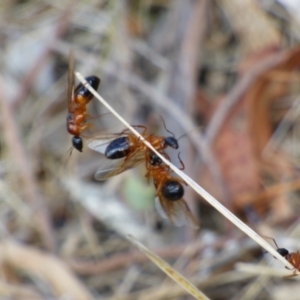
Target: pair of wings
{"x": 177, "y": 211}
{"x": 112, "y": 167}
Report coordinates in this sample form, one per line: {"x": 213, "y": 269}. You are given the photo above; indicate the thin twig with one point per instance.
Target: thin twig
{"x": 172, "y": 273}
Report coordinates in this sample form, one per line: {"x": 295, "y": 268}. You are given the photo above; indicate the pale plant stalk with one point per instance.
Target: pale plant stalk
{"x": 198, "y": 189}
{"x": 172, "y": 273}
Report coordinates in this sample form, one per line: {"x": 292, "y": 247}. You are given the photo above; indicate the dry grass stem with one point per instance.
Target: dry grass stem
{"x": 123, "y": 260}
{"x": 190, "y": 288}
{"x": 264, "y": 270}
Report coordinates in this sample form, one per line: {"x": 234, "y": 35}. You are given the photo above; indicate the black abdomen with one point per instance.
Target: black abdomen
{"x": 83, "y": 91}
{"x": 77, "y": 143}
{"x": 172, "y": 190}
{"x": 118, "y": 148}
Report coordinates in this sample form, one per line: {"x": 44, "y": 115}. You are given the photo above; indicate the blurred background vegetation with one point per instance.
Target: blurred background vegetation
{"x": 224, "y": 74}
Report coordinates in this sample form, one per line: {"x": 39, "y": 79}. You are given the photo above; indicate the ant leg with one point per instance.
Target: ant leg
{"x": 143, "y": 133}
{"x": 158, "y": 187}
{"x": 147, "y": 165}
{"x": 86, "y": 125}
{"x": 141, "y": 126}
{"x": 165, "y": 154}
{"x": 162, "y": 181}
{"x": 129, "y": 156}
{"x": 70, "y": 153}
{"x": 88, "y": 117}
{"x": 270, "y": 238}
{"x": 134, "y": 151}
{"x": 136, "y": 126}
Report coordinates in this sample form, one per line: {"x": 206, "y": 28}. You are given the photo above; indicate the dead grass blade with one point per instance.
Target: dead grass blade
{"x": 165, "y": 267}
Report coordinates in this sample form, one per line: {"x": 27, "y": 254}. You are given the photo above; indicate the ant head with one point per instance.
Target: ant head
{"x": 283, "y": 252}
{"x": 171, "y": 142}
{"x": 154, "y": 159}
{"x": 77, "y": 143}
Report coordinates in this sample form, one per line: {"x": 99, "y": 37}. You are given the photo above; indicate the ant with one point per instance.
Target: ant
{"x": 292, "y": 257}
{"x": 78, "y": 100}
{"x": 128, "y": 150}
{"x": 169, "y": 191}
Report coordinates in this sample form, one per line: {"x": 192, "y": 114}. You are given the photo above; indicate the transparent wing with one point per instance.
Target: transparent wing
{"x": 100, "y": 143}
{"x": 117, "y": 166}
{"x": 109, "y": 168}
{"x": 159, "y": 208}
{"x": 177, "y": 211}
{"x": 112, "y": 167}
{"x": 71, "y": 81}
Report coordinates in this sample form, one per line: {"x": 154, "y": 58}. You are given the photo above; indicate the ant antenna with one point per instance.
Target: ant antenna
{"x": 188, "y": 132}
{"x": 275, "y": 243}
{"x": 173, "y": 133}
{"x": 166, "y": 127}
{"x": 270, "y": 238}
{"x": 181, "y": 162}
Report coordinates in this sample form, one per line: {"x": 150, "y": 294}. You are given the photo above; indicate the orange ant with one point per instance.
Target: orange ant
{"x": 77, "y": 105}
{"x": 169, "y": 192}
{"x": 128, "y": 149}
